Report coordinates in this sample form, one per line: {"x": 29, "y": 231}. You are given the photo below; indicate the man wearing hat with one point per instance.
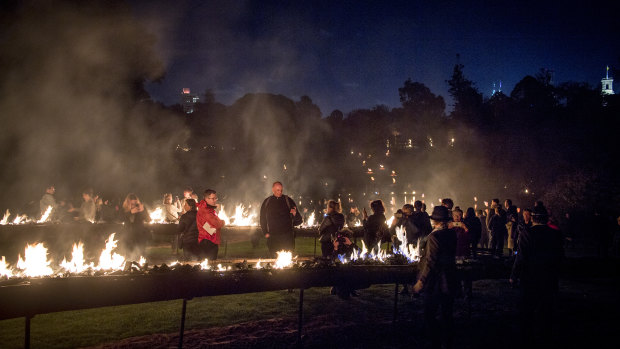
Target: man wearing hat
{"x": 537, "y": 266}
{"x": 438, "y": 278}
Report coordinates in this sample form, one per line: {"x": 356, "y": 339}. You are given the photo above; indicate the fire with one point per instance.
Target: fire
{"x": 258, "y": 266}
{"x": 77, "y": 264}
{"x": 285, "y": 259}
{"x": 243, "y": 218}
{"x": 389, "y": 221}
{"x": 110, "y": 260}
{"x": 45, "y": 216}
{"x": 157, "y": 216}
{"x": 223, "y": 216}
{"x": 204, "y": 265}
{"x": 5, "y": 218}
{"x": 311, "y": 221}
{"x": 5, "y": 270}
{"x": 35, "y": 262}
{"x": 20, "y": 219}
{"x": 221, "y": 268}
{"x": 412, "y": 254}
{"x": 142, "y": 261}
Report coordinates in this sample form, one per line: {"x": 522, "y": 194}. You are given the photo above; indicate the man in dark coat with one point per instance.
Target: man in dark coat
{"x": 188, "y": 230}
{"x": 278, "y": 216}
{"x": 537, "y": 266}
{"x": 423, "y": 222}
{"x": 438, "y": 279}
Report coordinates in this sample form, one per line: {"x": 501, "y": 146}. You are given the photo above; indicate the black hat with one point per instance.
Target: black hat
{"x": 539, "y": 210}
{"x": 441, "y": 214}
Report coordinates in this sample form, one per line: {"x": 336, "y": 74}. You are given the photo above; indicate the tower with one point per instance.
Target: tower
{"x": 607, "y": 84}
{"x": 188, "y": 100}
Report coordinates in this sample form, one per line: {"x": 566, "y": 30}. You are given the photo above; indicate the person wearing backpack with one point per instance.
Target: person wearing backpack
{"x": 278, "y": 216}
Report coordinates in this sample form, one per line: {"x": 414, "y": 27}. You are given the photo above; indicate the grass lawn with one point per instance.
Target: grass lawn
{"x": 304, "y": 247}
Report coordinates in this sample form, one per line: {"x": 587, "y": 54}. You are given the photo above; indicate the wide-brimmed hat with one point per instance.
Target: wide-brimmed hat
{"x": 441, "y": 214}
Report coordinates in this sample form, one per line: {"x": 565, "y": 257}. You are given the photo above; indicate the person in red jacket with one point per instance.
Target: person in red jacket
{"x": 209, "y": 225}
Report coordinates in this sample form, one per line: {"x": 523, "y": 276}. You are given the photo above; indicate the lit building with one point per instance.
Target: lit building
{"x": 188, "y": 100}
{"x": 607, "y": 84}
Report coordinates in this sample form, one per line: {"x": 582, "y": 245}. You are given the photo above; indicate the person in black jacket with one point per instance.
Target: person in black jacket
{"x": 375, "y": 225}
{"x": 438, "y": 279}
{"x": 497, "y": 227}
{"x": 332, "y": 223}
{"x": 135, "y": 236}
{"x": 188, "y": 230}
{"x": 278, "y": 216}
{"x": 475, "y": 230}
{"x": 537, "y": 266}
{"x": 423, "y": 222}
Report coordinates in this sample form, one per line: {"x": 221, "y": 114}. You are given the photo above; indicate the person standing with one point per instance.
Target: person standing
{"x": 48, "y": 200}
{"x": 187, "y": 194}
{"x": 497, "y": 227}
{"x": 537, "y": 267}
{"x": 134, "y": 239}
{"x": 524, "y": 225}
{"x": 375, "y": 225}
{"x": 88, "y": 209}
{"x": 512, "y": 219}
{"x": 484, "y": 232}
{"x": 422, "y": 221}
{"x": 188, "y": 231}
{"x": 332, "y": 223}
{"x": 463, "y": 239}
{"x": 475, "y": 230}
{"x": 438, "y": 279}
{"x": 278, "y": 216}
{"x": 209, "y": 225}
{"x": 172, "y": 209}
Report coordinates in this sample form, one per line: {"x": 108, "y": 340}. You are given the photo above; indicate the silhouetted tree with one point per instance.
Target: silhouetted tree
{"x": 467, "y": 99}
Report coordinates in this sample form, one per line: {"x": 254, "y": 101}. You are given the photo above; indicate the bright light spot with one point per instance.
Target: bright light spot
{"x": 35, "y": 262}
{"x": 285, "y": 259}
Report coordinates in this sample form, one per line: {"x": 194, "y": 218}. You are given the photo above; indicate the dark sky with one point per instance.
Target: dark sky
{"x": 356, "y": 54}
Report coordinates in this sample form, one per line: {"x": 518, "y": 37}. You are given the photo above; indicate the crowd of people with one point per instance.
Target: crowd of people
{"x": 449, "y": 234}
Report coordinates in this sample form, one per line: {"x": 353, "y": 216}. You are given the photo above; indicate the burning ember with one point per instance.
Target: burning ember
{"x": 204, "y": 265}
{"x": 20, "y": 219}
{"x": 4, "y": 268}
{"x": 45, "y": 215}
{"x": 157, "y": 216}
{"x": 5, "y": 218}
{"x": 285, "y": 259}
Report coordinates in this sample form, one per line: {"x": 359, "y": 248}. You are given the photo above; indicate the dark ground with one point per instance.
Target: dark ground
{"x": 587, "y": 316}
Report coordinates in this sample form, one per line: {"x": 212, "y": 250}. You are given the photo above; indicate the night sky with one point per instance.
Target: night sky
{"x": 356, "y": 54}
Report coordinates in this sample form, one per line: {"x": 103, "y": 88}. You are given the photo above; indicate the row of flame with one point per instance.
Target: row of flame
{"x": 35, "y": 262}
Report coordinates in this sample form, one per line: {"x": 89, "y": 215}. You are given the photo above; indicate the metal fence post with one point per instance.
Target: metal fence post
{"x": 395, "y": 303}
{"x": 301, "y": 316}
{"x": 182, "y": 323}
{"x": 27, "y": 333}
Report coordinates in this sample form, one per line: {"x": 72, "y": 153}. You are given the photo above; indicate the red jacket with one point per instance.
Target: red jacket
{"x": 208, "y": 223}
